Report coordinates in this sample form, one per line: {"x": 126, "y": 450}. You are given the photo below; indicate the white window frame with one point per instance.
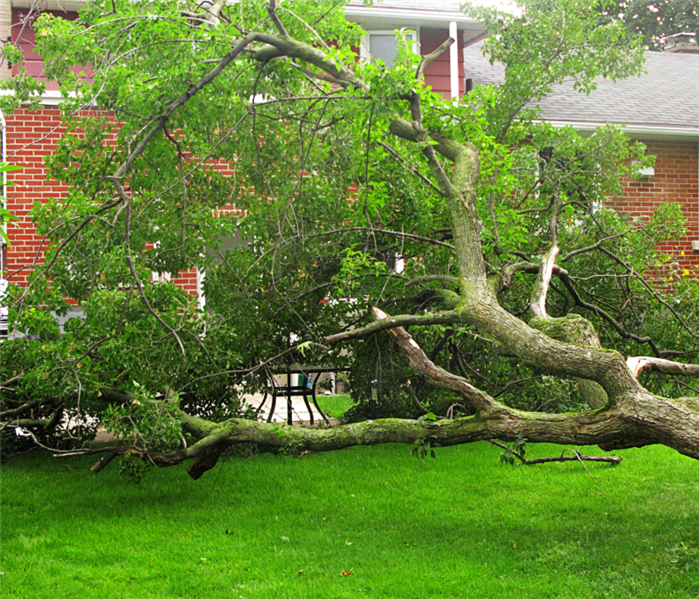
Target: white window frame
{"x": 365, "y": 46}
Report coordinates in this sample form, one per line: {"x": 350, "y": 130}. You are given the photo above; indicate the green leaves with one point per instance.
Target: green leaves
{"x": 517, "y": 449}
{"x": 552, "y": 40}
{"x": 5, "y": 215}
{"x": 429, "y": 416}
{"x": 655, "y": 22}
{"x": 423, "y": 447}
{"x": 147, "y": 422}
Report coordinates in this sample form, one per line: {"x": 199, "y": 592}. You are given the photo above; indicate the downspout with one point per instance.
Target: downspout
{"x": 454, "y": 60}
{"x": 3, "y": 198}
{"x": 5, "y": 35}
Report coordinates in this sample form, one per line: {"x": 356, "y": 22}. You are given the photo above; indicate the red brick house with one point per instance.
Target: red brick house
{"x": 661, "y": 108}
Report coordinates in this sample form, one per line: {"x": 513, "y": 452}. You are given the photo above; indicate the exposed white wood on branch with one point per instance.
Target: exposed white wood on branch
{"x": 537, "y": 303}
{"x": 639, "y": 363}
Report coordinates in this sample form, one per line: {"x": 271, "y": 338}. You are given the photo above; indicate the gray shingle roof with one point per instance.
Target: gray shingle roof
{"x": 667, "y": 95}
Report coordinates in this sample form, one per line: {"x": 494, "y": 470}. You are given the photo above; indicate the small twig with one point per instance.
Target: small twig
{"x": 512, "y": 383}
{"x": 578, "y": 457}
{"x": 450, "y": 410}
{"x": 12, "y": 380}
{"x": 514, "y": 452}
{"x": 19, "y": 453}
{"x": 416, "y": 401}
{"x": 217, "y": 476}
{"x": 70, "y": 453}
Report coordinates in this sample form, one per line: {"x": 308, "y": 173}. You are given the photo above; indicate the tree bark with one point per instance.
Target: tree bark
{"x": 579, "y": 331}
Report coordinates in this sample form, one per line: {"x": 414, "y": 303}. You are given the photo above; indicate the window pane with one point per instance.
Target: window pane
{"x": 384, "y": 47}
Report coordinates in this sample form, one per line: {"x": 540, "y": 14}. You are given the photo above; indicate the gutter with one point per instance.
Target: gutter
{"x": 415, "y": 17}
{"x": 635, "y": 131}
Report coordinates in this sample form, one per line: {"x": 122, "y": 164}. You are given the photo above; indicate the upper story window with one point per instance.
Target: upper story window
{"x": 383, "y": 45}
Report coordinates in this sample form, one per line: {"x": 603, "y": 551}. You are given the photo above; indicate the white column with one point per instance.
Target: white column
{"x": 454, "y": 60}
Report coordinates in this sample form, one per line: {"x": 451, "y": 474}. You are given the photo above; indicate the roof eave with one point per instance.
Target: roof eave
{"x": 659, "y": 132}
{"x": 385, "y": 18}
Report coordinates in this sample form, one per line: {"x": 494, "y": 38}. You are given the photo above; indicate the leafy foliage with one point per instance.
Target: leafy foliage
{"x": 655, "y": 21}
{"x": 260, "y": 156}
{"x": 517, "y": 448}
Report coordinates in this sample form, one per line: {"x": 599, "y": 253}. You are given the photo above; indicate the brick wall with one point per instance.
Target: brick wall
{"x": 676, "y": 179}
{"x": 30, "y": 137}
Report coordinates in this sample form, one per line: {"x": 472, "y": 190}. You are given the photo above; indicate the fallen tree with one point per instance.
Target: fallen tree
{"x": 480, "y": 199}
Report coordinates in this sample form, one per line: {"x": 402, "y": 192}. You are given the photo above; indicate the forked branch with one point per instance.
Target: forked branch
{"x": 436, "y": 375}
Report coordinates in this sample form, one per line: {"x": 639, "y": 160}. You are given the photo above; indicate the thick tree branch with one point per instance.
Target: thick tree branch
{"x": 611, "y": 429}
{"x": 537, "y": 302}
{"x": 25, "y": 407}
{"x": 182, "y": 99}
{"x": 277, "y": 47}
{"x": 428, "y": 58}
{"x": 504, "y": 280}
{"x": 640, "y": 363}
{"x": 445, "y": 146}
{"x": 436, "y": 375}
{"x": 44, "y": 423}
{"x": 450, "y": 317}
{"x": 272, "y": 12}
{"x": 430, "y": 278}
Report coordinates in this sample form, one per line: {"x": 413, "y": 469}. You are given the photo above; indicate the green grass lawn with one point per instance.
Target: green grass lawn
{"x": 462, "y": 526}
{"x": 335, "y": 405}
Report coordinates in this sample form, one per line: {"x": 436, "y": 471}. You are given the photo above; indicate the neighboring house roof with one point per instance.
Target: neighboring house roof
{"x": 664, "y": 99}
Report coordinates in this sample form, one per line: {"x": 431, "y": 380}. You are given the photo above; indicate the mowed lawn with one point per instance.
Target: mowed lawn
{"x": 362, "y": 522}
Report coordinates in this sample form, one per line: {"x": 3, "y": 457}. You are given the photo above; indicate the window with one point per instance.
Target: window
{"x": 383, "y": 45}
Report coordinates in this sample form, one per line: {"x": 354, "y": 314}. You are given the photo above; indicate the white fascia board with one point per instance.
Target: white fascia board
{"x": 52, "y": 98}
{"x": 636, "y": 131}
{"x": 408, "y": 14}
{"x": 381, "y": 18}
{"x": 57, "y": 5}
{"x": 48, "y": 98}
